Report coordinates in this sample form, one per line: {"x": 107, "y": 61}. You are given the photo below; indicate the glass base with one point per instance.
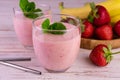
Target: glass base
{"x": 56, "y": 71}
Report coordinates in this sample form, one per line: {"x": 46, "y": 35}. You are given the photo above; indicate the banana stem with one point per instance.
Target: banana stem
{"x": 61, "y": 5}
{"x": 116, "y": 53}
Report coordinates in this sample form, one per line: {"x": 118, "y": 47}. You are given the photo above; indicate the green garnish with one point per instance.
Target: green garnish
{"x": 29, "y": 9}
{"x": 55, "y": 26}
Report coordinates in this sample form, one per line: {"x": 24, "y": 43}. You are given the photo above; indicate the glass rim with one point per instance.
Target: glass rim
{"x": 42, "y": 5}
{"x": 44, "y": 16}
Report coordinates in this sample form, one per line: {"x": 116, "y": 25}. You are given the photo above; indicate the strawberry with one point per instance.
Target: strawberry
{"x": 88, "y": 29}
{"x": 99, "y": 15}
{"x": 116, "y": 28}
{"x": 104, "y": 32}
{"x": 69, "y": 20}
{"x": 101, "y": 55}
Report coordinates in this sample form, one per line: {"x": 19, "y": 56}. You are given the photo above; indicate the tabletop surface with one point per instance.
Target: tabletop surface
{"x": 82, "y": 69}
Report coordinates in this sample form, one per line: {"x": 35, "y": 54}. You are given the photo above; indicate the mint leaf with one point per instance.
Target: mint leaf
{"x": 45, "y": 25}
{"x": 37, "y": 10}
{"x": 53, "y": 28}
{"x": 22, "y": 4}
{"x": 31, "y": 15}
{"x": 29, "y": 9}
{"x": 57, "y": 26}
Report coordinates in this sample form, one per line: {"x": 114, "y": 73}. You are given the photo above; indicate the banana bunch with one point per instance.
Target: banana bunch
{"x": 113, "y": 7}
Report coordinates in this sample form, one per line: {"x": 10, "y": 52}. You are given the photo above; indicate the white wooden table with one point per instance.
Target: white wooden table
{"x": 82, "y": 69}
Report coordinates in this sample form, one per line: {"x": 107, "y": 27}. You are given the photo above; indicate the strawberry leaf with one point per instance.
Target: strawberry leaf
{"x": 109, "y": 58}
{"x": 92, "y": 5}
{"x": 82, "y": 26}
{"x": 93, "y": 12}
{"x": 107, "y": 53}
{"x": 90, "y": 18}
{"x": 109, "y": 47}
{"x": 105, "y": 50}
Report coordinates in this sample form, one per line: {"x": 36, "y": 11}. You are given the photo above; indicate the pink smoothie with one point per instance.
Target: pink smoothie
{"x": 57, "y": 52}
{"x": 23, "y": 28}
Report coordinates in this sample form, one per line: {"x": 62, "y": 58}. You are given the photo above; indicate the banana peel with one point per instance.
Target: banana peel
{"x": 82, "y": 12}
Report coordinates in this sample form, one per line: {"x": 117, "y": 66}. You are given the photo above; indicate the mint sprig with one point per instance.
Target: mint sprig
{"x": 29, "y": 9}
{"x": 57, "y": 26}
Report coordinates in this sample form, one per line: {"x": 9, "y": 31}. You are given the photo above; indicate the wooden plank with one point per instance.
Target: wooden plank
{"x": 83, "y": 71}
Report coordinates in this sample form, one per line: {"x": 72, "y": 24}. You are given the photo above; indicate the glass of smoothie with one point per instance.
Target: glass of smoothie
{"x": 22, "y": 21}
{"x": 56, "y": 41}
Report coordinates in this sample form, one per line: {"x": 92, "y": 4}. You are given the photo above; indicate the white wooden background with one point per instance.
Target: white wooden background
{"x": 82, "y": 69}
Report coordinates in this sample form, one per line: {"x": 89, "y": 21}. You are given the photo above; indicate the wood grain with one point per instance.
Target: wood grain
{"x": 91, "y": 43}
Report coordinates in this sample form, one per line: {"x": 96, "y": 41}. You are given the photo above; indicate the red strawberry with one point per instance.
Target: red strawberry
{"x": 101, "y": 55}
{"x": 104, "y": 32}
{"x": 99, "y": 15}
{"x": 103, "y": 16}
{"x": 88, "y": 29}
{"x": 116, "y": 28}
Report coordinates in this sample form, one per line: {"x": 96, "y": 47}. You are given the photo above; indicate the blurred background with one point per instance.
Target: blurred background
{"x": 6, "y": 8}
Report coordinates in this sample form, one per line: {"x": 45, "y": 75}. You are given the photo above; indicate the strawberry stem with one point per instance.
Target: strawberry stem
{"x": 116, "y": 53}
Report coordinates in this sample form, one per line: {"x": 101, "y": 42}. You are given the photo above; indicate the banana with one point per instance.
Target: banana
{"x": 114, "y": 12}
{"x": 80, "y": 12}
{"x": 115, "y": 19}
{"x": 112, "y": 6}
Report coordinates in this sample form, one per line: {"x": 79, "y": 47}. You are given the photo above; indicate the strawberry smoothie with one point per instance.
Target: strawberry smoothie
{"x": 23, "y": 28}
{"x": 56, "y": 52}
{"x": 23, "y": 25}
